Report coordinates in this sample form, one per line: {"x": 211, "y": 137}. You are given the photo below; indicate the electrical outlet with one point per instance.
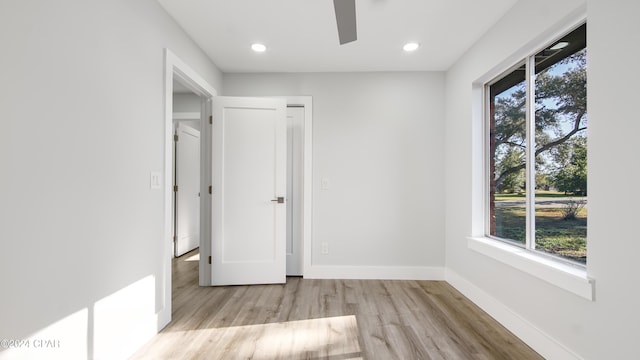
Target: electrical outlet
{"x": 325, "y": 248}
{"x": 324, "y": 184}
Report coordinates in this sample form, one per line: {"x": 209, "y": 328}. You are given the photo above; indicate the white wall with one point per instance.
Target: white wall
{"x": 612, "y": 331}
{"x": 556, "y": 322}
{"x": 81, "y": 113}
{"x": 377, "y": 138}
{"x": 187, "y": 103}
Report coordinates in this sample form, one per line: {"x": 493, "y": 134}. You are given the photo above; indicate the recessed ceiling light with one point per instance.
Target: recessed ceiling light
{"x": 258, "y": 47}
{"x": 560, "y": 45}
{"x": 412, "y": 46}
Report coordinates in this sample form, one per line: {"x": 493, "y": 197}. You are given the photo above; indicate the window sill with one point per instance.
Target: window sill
{"x": 564, "y": 276}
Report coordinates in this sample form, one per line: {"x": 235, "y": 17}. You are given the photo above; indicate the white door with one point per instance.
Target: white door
{"x": 295, "y": 151}
{"x": 248, "y": 190}
{"x": 187, "y": 180}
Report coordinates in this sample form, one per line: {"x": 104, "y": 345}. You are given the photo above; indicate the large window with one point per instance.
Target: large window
{"x": 537, "y": 158}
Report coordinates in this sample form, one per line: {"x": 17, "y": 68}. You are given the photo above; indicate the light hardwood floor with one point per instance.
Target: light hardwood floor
{"x": 327, "y": 319}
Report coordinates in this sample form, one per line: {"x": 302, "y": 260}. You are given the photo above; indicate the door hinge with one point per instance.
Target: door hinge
{"x": 210, "y": 119}
{"x": 175, "y": 137}
{"x": 210, "y": 189}
{"x": 209, "y": 260}
{"x": 175, "y": 238}
{"x": 175, "y": 188}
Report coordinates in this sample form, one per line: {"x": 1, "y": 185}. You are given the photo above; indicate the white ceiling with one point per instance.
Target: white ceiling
{"x": 301, "y": 35}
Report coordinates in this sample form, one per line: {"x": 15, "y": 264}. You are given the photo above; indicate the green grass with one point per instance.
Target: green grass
{"x": 539, "y": 194}
{"x": 566, "y": 238}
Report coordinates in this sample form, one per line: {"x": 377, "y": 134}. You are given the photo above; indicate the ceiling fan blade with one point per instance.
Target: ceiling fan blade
{"x": 346, "y": 19}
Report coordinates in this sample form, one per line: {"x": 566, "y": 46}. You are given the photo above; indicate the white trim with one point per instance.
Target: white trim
{"x": 569, "y": 23}
{"x": 570, "y": 278}
{"x": 374, "y": 272}
{"x": 174, "y": 67}
{"x": 204, "y": 268}
{"x": 539, "y": 341}
{"x": 530, "y": 153}
{"x": 188, "y": 77}
{"x": 186, "y": 116}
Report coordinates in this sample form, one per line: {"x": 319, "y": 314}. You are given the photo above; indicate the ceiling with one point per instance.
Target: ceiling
{"x": 301, "y": 35}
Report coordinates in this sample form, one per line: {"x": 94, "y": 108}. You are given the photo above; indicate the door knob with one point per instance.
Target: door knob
{"x": 279, "y": 200}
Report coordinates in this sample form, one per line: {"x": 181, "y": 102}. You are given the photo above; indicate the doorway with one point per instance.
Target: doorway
{"x": 175, "y": 68}
{"x": 179, "y": 73}
{"x": 186, "y": 169}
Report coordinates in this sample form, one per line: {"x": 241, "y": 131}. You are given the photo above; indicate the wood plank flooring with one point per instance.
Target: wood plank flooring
{"x": 327, "y": 319}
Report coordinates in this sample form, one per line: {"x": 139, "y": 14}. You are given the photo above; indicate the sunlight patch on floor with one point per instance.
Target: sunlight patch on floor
{"x": 195, "y": 257}
{"x": 333, "y": 337}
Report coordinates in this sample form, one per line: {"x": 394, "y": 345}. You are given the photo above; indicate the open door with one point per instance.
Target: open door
{"x": 248, "y": 191}
{"x": 187, "y": 189}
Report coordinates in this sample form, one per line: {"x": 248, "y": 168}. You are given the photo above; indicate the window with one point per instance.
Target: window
{"x": 537, "y": 151}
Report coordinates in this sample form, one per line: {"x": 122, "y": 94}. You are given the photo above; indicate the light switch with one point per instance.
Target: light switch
{"x": 155, "y": 181}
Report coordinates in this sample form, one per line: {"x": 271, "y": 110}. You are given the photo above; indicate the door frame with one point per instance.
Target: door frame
{"x": 175, "y": 68}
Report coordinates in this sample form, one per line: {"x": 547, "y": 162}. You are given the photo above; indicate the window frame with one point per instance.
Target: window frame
{"x": 539, "y": 266}
{"x": 486, "y": 176}
{"x": 530, "y": 107}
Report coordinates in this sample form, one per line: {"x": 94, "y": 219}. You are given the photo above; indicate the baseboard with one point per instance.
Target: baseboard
{"x": 374, "y": 272}
{"x": 537, "y": 339}
{"x": 164, "y": 318}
